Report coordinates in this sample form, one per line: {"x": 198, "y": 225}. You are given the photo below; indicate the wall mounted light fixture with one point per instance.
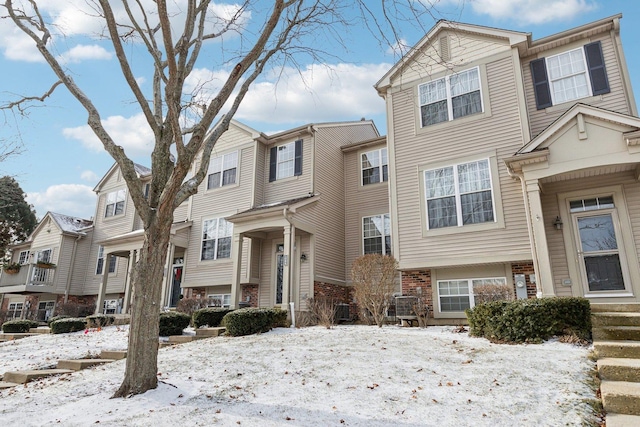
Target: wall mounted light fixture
{"x": 558, "y": 223}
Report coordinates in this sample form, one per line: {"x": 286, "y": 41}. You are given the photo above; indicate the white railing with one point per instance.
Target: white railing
{"x": 29, "y": 274}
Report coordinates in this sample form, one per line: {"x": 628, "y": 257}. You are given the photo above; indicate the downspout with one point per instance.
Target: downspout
{"x": 532, "y": 242}
{"x": 73, "y": 261}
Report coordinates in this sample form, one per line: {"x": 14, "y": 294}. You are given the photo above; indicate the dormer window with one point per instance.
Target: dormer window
{"x": 450, "y": 97}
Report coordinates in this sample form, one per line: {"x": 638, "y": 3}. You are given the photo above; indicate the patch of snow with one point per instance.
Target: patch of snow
{"x": 349, "y": 375}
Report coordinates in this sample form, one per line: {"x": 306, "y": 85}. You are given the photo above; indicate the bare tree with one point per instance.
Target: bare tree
{"x": 181, "y": 122}
{"x": 373, "y": 277}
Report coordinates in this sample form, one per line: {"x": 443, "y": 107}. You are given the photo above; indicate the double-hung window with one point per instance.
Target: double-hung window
{"x": 216, "y": 239}
{"x": 459, "y": 195}
{"x": 450, "y": 97}
{"x": 223, "y": 170}
{"x": 375, "y": 166}
{"x": 15, "y": 310}
{"x": 571, "y": 75}
{"x": 457, "y": 295}
{"x": 376, "y": 232}
{"x": 100, "y": 262}
{"x": 285, "y": 161}
{"x": 115, "y": 203}
{"x": 220, "y": 300}
{"x": 23, "y": 258}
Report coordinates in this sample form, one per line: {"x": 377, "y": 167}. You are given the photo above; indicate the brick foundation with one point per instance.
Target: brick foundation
{"x": 526, "y": 268}
{"x": 418, "y": 283}
{"x": 341, "y": 294}
{"x": 250, "y": 291}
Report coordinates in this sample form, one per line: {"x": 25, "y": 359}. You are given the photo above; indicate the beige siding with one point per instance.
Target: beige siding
{"x": 81, "y": 261}
{"x": 500, "y": 132}
{"x": 616, "y": 100}
{"x": 265, "y": 297}
{"x": 464, "y": 48}
{"x": 261, "y": 174}
{"x": 557, "y": 253}
{"x": 361, "y": 201}
{"x": 291, "y": 187}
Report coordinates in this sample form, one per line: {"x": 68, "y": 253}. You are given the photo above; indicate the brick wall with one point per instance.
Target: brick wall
{"x": 251, "y": 291}
{"x": 526, "y": 268}
{"x": 338, "y": 293}
{"x": 418, "y": 283}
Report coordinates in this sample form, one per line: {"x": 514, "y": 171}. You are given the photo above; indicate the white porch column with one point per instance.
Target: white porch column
{"x": 288, "y": 261}
{"x": 544, "y": 276}
{"x": 127, "y": 286}
{"x": 168, "y": 276}
{"x": 103, "y": 285}
{"x": 236, "y": 253}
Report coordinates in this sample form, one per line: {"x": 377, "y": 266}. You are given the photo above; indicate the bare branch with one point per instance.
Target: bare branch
{"x": 19, "y": 104}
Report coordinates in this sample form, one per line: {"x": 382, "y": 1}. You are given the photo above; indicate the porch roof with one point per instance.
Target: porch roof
{"x": 272, "y": 208}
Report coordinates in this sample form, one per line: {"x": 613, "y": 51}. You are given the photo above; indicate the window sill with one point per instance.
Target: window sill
{"x": 287, "y": 179}
{"x": 454, "y": 122}
{"x": 566, "y": 105}
{"x": 471, "y": 228}
{"x": 218, "y": 261}
{"x": 223, "y": 188}
{"x": 367, "y": 187}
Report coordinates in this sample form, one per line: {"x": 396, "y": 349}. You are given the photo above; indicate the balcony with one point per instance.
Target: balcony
{"x": 30, "y": 278}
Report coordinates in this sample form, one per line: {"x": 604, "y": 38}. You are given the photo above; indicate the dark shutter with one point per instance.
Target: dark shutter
{"x": 298, "y": 164}
{"x": 541, "y": 83}
{"x": 597, "y": 71}
{"x": 273, "y": 162}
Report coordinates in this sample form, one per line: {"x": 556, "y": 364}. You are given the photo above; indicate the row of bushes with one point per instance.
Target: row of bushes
{"x": 245, "y": 321}
{"x": 531, "y": 320}
{"x": 58, "y": 325}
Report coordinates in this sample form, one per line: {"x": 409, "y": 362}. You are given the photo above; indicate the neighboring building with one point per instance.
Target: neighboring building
{"x": 508, "y": 161}
{"x": 514, "y": 160}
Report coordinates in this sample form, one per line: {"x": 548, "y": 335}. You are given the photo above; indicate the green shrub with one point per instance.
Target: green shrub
{"x": 100, "y": 320}
{"x": 69, "y": 324}
{"x": 18, "y": 326}
{"x": 248, "y": 321}
{"x": 211, "y": 316}
{"x": 173, "y": 322}
{"x": 54, "y": 318}
{"x": 531, "y": 320}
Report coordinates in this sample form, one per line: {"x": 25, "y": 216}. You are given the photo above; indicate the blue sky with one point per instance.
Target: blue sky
{"x": 62, "y": 161}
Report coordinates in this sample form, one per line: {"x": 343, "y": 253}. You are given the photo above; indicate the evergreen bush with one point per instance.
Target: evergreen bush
{"x": 18, "y": 326}
{"x": 173, "y": 322}
{"x": 69, "y": 324}
{"x": 531, "y": 320}
{"x": 210, "y": 316}
{"x": 248, "y": 321}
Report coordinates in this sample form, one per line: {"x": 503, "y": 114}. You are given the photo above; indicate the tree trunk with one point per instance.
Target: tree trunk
{"x": 142, "y": 365}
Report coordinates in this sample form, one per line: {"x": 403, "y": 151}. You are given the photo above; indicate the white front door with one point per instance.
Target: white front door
{"x": 601, "y": 255}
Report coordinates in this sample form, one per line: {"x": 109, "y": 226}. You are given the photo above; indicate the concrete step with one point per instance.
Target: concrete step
{"x": 113, "y": 354}
{"x": 615, "y": 333}
{"x": 210, "y": 332}
{"x": 622, "y": 420}
{"x": 4, "y": 385}
{"x": 40, "y": 330}
{"x": 23, "y": 377}
{"x": 633, "y": 307}
{"x": 617, "y": 349}
{"x": 180, "y": 339}
{"x": 164, "y": 344}
{"x": 14, "y": 336}
{"x": 79, "y": 364}
{"x": 620, "y": 397}
{"x": 615, "y": 319}
{"x": 619, "y": 369}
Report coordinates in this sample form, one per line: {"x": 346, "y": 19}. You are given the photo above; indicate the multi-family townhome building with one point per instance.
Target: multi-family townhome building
{"x": 266, "y": 228}
{"x": 514, "y": 161}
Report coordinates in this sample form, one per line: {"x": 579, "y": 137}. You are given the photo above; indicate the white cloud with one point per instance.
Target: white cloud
{"x": 316, "y": 93}
{"x": 81, "y": 52}
{"x": 533, "y": 11}
{"x": 399, "y": 48}
{"x": 69, "y": 199}
{"x": 132, "y": 133}
{"x": 88, "y": 175}
{"x": 18, "y": 46}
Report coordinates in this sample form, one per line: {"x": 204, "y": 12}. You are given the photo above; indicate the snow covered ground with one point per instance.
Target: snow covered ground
{"x": 349, "y": 375}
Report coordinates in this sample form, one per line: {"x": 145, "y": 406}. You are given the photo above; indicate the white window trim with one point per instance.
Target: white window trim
{"x": 217, "y": 238}
{"x": 380, "y": 166}
{"x": 101, "y": 256}
{"x": 498, "y": 218}
{"x": 121, "y": 193}
{"x": 447, "y": 78}
{"x": 225, "y": 300}
{"x": 472, "y": 301}
{"x": 586, "y": 73}
{"x": 211, "y": 170}
{"x": 15, "y": 309}
{"x": 39, "y": 252}
{"x": 23, "y": 260}
{"x": 290, "y": 146}
{"x": 383, "y": 236}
